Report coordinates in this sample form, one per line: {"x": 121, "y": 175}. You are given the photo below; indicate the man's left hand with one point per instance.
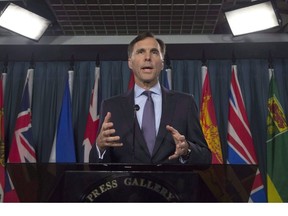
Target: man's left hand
{"x": 182, "y": 146}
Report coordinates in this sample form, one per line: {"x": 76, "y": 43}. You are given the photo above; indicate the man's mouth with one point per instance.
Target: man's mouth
{"x": 147, "y": 68}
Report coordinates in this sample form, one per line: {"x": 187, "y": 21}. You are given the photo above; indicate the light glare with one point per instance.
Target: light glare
{"x": 252, "y": 19}
{"x": 23, "y": 22}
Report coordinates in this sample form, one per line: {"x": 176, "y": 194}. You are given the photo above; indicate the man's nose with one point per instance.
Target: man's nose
{"x": 147, "y": 56}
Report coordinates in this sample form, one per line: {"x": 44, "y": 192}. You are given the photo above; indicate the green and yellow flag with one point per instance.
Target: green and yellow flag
{"x": 277, "y": 147}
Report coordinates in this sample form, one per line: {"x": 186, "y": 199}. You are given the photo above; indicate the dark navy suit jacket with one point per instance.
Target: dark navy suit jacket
{"x": 178, "y": 110}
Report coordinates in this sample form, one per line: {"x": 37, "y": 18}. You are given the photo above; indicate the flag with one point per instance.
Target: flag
{"x": 22, "y": 149}
{"x": 277, "y": 147}
{"x": 2, "y": 144}
{"x": 167, "y": 80}
{"x": 10, "y": 194}
{"x": 239, "y": 138}
{"x": 131, "y": 81}
{"x": 93, "y": 118}
{"x": 208, "y": 119}
{"x": 63, "y": 150}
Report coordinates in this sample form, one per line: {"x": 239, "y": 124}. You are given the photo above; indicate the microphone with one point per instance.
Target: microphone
{"x": 136, "y": 108}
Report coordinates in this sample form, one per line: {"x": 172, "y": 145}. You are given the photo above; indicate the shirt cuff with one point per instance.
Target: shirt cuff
{"x": 100, "y": 155}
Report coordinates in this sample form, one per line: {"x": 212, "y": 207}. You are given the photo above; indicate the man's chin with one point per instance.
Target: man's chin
{"x": 150, "y": 81}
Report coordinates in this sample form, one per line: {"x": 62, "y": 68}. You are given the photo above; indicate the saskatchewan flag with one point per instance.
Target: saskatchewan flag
{"x": 277, "y": 147}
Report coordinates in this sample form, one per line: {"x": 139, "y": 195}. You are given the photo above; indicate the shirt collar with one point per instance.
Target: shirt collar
{"x": 156, "y": 89}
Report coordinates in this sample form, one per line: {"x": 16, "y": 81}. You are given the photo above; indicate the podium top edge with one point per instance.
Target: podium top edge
{"x": 128, "y": 167}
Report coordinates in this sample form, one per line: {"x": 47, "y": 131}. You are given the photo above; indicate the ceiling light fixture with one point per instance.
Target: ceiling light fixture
{"x": 23, "y": 22}
{"x": 257, "y": 16}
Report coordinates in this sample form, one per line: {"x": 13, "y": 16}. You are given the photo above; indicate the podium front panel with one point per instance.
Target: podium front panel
{"x": 132, "y": 183}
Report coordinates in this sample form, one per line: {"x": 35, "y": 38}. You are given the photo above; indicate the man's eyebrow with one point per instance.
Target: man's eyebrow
{"x": 140, "y": 49}
{"x": 151, "y": 50}
{"x": 155, "y": 49}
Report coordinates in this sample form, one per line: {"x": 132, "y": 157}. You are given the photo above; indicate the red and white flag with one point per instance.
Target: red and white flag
{"x": 92, "y": 124}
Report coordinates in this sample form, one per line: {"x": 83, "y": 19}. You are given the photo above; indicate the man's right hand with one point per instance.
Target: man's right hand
{"x": 105, "y": 137}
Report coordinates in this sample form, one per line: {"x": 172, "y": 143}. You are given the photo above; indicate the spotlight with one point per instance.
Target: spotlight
{"x": 257, "y": 16}
{"x": 23, "y": 22}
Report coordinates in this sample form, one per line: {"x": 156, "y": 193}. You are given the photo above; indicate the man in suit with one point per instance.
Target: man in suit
{"x": 178, "y": 135}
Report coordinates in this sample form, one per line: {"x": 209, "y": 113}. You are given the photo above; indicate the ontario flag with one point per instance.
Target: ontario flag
{"x": 92, "y": 124}
{"x": 208, "y": 119}
{"x": 22, "y": 149}
{"x": 240, "y": 142}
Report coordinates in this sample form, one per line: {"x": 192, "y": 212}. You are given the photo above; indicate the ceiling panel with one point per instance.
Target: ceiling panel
{"x": 130, "y": 17}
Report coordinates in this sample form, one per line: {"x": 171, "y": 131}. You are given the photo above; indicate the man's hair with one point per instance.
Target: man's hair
{"x": 143, "y": 36}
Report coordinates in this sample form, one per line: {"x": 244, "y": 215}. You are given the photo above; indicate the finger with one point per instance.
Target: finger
{"x": 111, "y": 139}
{"x": 114, "y": 145}
{"x": 108, "y": 132}
{"x": 174, "y": 156}
{"x": 182, "y": 144}
{"x": 107, "y": 117}
{"x": 182, "y": 139}
{"x": 171, "y": 129}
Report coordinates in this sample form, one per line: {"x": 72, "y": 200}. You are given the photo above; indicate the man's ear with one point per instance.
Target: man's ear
{"x": 129, "y": 63}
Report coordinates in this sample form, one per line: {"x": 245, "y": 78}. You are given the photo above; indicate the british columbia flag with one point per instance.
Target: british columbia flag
{"x": 240, "y": 142}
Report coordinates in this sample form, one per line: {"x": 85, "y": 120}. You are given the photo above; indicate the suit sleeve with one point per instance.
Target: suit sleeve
{"x": 94, "y": 156}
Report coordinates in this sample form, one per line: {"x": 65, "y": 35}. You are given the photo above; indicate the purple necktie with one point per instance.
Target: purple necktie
{"x": 148, "y": 122}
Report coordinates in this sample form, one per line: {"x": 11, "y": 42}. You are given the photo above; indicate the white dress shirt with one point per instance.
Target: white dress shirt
{"x": 140, "y": 100}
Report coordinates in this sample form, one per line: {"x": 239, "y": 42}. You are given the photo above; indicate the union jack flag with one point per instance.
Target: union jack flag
{"x": 93, "y": 118}
{"x": 22, "y": 149}
{"x": 240, "y": 142}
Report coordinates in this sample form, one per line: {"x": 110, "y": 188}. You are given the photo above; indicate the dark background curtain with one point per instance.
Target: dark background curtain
{"x": 48, "y": 88}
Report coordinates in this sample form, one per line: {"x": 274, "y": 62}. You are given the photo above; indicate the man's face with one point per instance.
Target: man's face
{"x": 146, "y": 62}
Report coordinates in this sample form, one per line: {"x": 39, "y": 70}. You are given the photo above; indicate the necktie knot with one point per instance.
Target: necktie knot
{"x": 148, "y": 94}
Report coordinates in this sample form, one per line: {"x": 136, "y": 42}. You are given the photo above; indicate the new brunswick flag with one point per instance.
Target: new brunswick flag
{"x": 277, "y": 147}
{"x": 208, "y": 119}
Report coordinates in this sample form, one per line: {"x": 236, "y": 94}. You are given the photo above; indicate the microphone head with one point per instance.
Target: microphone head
{"x": 136, "y": 107}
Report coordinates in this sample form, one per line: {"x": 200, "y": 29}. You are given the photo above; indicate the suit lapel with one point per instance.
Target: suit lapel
{"x": 168, "y": 106}
{"x": 127, "y": 107}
